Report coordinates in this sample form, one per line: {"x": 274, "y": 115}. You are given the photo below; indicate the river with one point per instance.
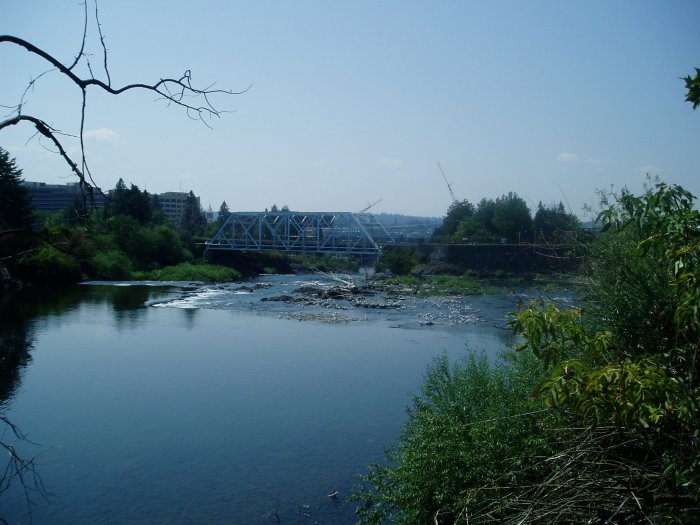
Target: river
{"x": 186, "y": 404}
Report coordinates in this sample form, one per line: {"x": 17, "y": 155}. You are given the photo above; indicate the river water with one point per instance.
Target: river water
{"x": 216, "y": 404}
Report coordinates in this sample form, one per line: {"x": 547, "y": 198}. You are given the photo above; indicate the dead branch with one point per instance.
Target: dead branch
{"x": 179, "y": 91}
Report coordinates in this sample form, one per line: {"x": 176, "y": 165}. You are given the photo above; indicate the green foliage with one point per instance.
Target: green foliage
{"x": 130, "y": 202}
{"x": 224, "y": 214}
{"x": 554, "y": 224}
{"x": 456, "y": 213}
{"x": 512, "y": 218}
{"x": 191, "y": 272}
{"x": 328, "y": 263}
{"x": 147, "y": 247}
{"x": 399, "y": 261}
{"x": 192, "y": 222}
{"x": 507, "y": 217}
{"x": 112, "y": 265}
{"x": 474, "y": 430}
{"x": 455, "y": 285}
{"x": 692, "y": 84}
{"x": 48, "y": 265}
{"x": 15, "y": 204}
{"x": 441, "y": 284}
{"x": 629, "y": 358}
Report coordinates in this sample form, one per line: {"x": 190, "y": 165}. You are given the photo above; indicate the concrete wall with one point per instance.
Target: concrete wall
{"x": 506, "y": 257}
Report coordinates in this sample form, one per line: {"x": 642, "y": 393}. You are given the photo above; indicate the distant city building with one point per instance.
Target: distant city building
{"x": 211, "y": 216}
{"x": 173, "y": 205}
{"x": 57, "y": 197}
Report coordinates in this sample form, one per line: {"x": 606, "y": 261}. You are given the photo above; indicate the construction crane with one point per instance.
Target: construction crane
{"x": 449, "y": 186}
{"x": 369, "y": 206}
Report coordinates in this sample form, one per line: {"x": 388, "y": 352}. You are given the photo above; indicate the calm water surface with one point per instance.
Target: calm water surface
{"x": 163, "y": 405}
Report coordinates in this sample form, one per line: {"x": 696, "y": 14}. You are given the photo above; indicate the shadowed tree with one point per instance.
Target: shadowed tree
{"x": 193, "y": 221}
{"x": 15, "y": 204}
{"x": 224, "y": 214}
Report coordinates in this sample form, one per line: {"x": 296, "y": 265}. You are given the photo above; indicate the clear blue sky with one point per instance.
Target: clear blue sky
{"x": 357, "y": 101}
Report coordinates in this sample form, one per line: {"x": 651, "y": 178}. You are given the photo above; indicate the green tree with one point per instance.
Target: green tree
{"x": 457, "y": 211}
{"x": 512, "y": 218}
{"x": 484, "y": 214}
{"x": 224, "y": 214}
{"x": 131, "y": 202}
{"x": 157, "y": 214}
{"x": 193, "y": 221}
{"x": 15, "y": 204}
{"x": 552, "y": 223}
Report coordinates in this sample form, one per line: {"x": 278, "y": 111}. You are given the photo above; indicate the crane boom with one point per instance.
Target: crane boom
{"x": 370, "y": 205}
{"x": 449, "y": 186}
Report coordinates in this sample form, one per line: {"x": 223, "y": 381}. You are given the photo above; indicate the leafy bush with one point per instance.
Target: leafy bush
{"x": 474, "y": 432}
{"x": 112, "y": 265}
{"x": 191, "y": 272}
{"x": 399, "y": 261}
{"x": 328, "y": 263}
{"x": 47, "y": 265}
{"x": 627, "y": 361}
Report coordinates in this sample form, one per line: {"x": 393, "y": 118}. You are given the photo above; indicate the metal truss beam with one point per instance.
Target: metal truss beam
{"x": 293, "y": 231}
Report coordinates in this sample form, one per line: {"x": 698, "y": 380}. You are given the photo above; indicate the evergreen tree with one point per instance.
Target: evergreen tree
{"x": 553, "y": 222}
{"x": 193, "y": 221}
{"x": 157, "y": 214}
{"x": 131, "y": 202}
{"x": 15, "y": 204}
{"x": 224, "y": 213}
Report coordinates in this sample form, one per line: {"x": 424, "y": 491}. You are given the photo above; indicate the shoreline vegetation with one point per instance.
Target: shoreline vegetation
{"x": 592, "y": 417}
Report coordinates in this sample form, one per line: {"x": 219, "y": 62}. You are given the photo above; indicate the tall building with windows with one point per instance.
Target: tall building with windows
{"x": 173, "y": 205}
{"x": 58, "y": 197}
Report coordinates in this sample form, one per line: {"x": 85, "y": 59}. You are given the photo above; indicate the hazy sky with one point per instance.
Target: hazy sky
{"x": 356, "y": 101}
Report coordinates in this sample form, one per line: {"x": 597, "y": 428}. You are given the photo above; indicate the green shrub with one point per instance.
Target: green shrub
{"x": 329, "y": 263}
{"x": 473, "y": 430}
{"x": 399, "y": 261}
{"x": 47, "y": 265}
{"x": 112, "y": 265}
{"x": 461, "y": 285}
{"x": 191, "y": 272}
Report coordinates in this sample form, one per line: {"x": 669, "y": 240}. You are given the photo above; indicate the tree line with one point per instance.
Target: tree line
{"x": 505, "y": 219}
{"x": 129, "y": 238}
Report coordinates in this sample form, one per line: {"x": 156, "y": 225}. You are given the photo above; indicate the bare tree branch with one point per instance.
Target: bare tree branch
{"x": 196, "y": 102}
{"x": 173, "y": 90}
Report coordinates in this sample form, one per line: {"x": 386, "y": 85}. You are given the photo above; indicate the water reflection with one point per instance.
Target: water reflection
{"x": 24, "y": 311}
{"x": 189, "y": 315}
{"x": 214, "y": 408}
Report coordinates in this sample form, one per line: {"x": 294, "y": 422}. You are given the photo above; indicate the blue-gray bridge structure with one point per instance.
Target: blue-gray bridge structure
{"x": 302, "y": 232}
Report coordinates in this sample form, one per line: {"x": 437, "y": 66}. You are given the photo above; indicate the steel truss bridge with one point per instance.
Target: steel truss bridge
{"x": 295, "y": 231}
